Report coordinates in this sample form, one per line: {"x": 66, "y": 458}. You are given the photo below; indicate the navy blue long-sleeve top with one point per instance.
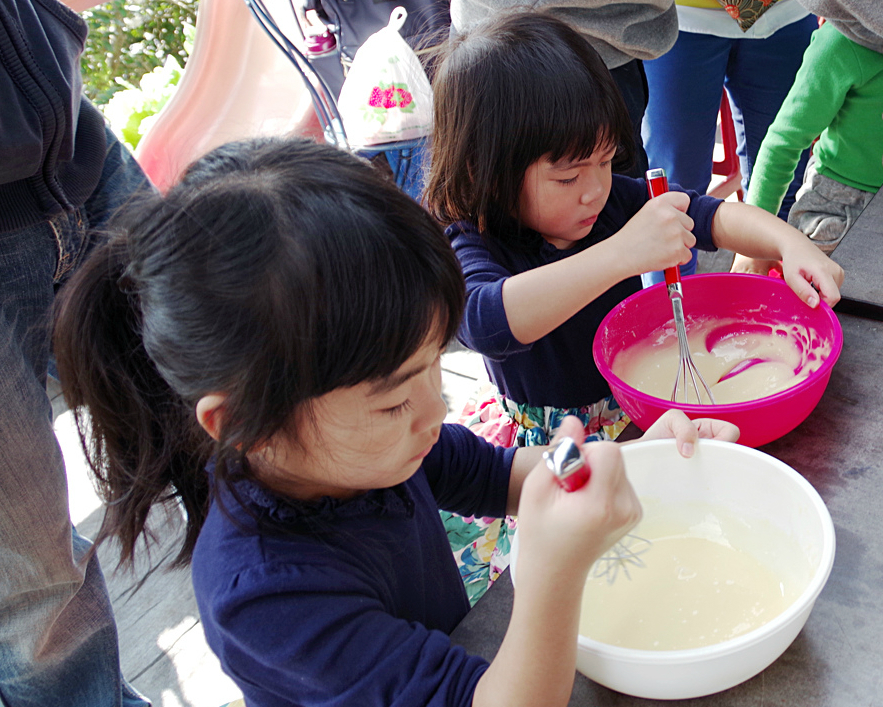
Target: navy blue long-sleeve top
{"x": 557, "y": 370}
{"x": 352, "y": 601}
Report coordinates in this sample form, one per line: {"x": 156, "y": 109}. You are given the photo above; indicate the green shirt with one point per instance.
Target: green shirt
{"x": 837, "y": 95}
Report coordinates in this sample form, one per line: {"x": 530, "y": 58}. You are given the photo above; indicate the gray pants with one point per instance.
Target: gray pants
{"x": 825, "y": 209}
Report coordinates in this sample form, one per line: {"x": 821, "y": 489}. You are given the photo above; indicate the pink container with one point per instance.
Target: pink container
{"x": 757, "y": 298}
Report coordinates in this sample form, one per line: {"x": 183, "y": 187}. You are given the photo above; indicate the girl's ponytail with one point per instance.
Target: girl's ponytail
{"x": 274, "y": 272}
{"x": 141, "y": 439}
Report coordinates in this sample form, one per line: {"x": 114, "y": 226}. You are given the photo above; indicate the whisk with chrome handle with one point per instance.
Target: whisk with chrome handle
{"x": 688, "y": 375}
{"x": 571, "y": 472}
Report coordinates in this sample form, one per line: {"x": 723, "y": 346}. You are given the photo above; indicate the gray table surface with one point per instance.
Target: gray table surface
{"x": 838, "y": 657}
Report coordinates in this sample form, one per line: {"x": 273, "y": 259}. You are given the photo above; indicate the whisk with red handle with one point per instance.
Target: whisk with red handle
{"x": 688, "y": 374}
{"x": 565, "y": 461}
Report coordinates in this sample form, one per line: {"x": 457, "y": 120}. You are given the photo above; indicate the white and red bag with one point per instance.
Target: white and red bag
{"x": 386, "y": 96}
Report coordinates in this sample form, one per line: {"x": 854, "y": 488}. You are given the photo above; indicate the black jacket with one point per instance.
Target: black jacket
{"x": 52, "y": 140}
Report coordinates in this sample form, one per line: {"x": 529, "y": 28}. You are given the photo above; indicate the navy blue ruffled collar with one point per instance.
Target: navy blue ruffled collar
{"x": 391, "y": 502}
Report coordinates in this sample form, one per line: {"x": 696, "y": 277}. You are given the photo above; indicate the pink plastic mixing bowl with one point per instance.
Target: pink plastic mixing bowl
{"x": 755, "y": 298}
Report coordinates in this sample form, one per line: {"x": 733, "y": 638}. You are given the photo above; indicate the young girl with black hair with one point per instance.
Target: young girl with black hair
{"x": 262, "y": 345}
{"x": 527, "y": 125}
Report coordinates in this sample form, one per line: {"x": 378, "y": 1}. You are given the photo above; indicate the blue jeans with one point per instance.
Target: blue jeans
{"x": 685, "y": 93}
{"x": 408, "y": 165}
{"x": 58, "y": 639}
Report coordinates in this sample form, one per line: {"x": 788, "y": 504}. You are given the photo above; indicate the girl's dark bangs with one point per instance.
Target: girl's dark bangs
{"x": 579, "y": 122}
{"x": 397, "y": 292}
{"x": 424, "y": 311}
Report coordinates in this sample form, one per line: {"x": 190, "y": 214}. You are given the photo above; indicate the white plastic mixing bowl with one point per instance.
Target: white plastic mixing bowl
{"x": 753, "y": 487}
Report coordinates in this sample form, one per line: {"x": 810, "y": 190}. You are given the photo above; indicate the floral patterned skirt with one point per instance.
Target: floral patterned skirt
{"x": 481, "y": 546}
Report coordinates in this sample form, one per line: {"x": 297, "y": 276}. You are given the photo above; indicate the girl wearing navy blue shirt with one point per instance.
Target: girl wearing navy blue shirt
{"x": 528, "y": 126}
{"x": 261, "y": 346}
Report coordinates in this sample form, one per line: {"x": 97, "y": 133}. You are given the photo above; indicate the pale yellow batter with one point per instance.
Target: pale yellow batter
{"x": 739, "y": 360}
{"x": 701, "y": 585}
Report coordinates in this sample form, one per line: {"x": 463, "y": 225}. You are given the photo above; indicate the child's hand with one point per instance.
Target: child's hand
{"x": 811, "y": 273}
{"x": 675, "y": 424}
{"x": 756, "y": 233}
{"x": 561, "y": 534}
{"x": 659, "y": 236}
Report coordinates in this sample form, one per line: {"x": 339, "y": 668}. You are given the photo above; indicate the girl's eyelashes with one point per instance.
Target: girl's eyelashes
{"x": 567, "y": 181}
{"x": 398, "y": 409}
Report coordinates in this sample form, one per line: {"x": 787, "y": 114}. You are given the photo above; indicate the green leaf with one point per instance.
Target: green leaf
{"x": 130, "y": 38}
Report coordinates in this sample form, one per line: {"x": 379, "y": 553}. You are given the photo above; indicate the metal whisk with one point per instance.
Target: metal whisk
{"x": 688, "y": 378}
{"x": 571, "y": 472}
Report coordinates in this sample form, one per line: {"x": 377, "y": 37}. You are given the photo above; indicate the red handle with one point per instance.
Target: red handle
{"x": 565, "y": 461}
{"x": 576, "y": 479}
{"x": 657, "y": 183}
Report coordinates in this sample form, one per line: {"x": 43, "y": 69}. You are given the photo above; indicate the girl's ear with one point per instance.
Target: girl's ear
{"x": 209, "y": 413}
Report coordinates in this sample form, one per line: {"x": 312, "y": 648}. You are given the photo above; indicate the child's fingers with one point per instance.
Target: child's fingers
{"x": 675, "y": 424}
{"x": 678, "y": 199}
{"x": 828, "y": 283}
{"x": 572, "y": 427}
{"x": 606, "y": 473}
{"x": 829, "y": 291}
{"x": 685, "y": 433}
{"x": 813, "y": 276}
{"x": 839, "y": 273}
{"x": 569, "y": 530}
{"x": 605, "y": 461}
{"x": 676, "y": 204}
{"x": 815, "y": 285}
{"x": 616, "y": 506}
{"x": 659, "y": 236}
{"x": 803, "y": 288}
{"x": 609, "y": 484}
{"x": 710, "y": 428}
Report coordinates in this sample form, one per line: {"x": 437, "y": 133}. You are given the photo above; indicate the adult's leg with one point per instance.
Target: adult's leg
{"x": 408, "y": 165}
{"x": 632, "y": 83}
{"x": 679, "y": 126}
{"x": 58, "y": 641}
{"x": 759, "y": 75}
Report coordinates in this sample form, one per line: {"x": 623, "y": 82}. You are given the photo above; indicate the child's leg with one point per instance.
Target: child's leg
{"x": 759, "y": 75}
{"x": 825, "y": 209}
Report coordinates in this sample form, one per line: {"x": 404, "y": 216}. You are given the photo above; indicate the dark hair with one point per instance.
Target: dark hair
{"x": 275, "y": 272}
{"x": 515, "y": 89}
